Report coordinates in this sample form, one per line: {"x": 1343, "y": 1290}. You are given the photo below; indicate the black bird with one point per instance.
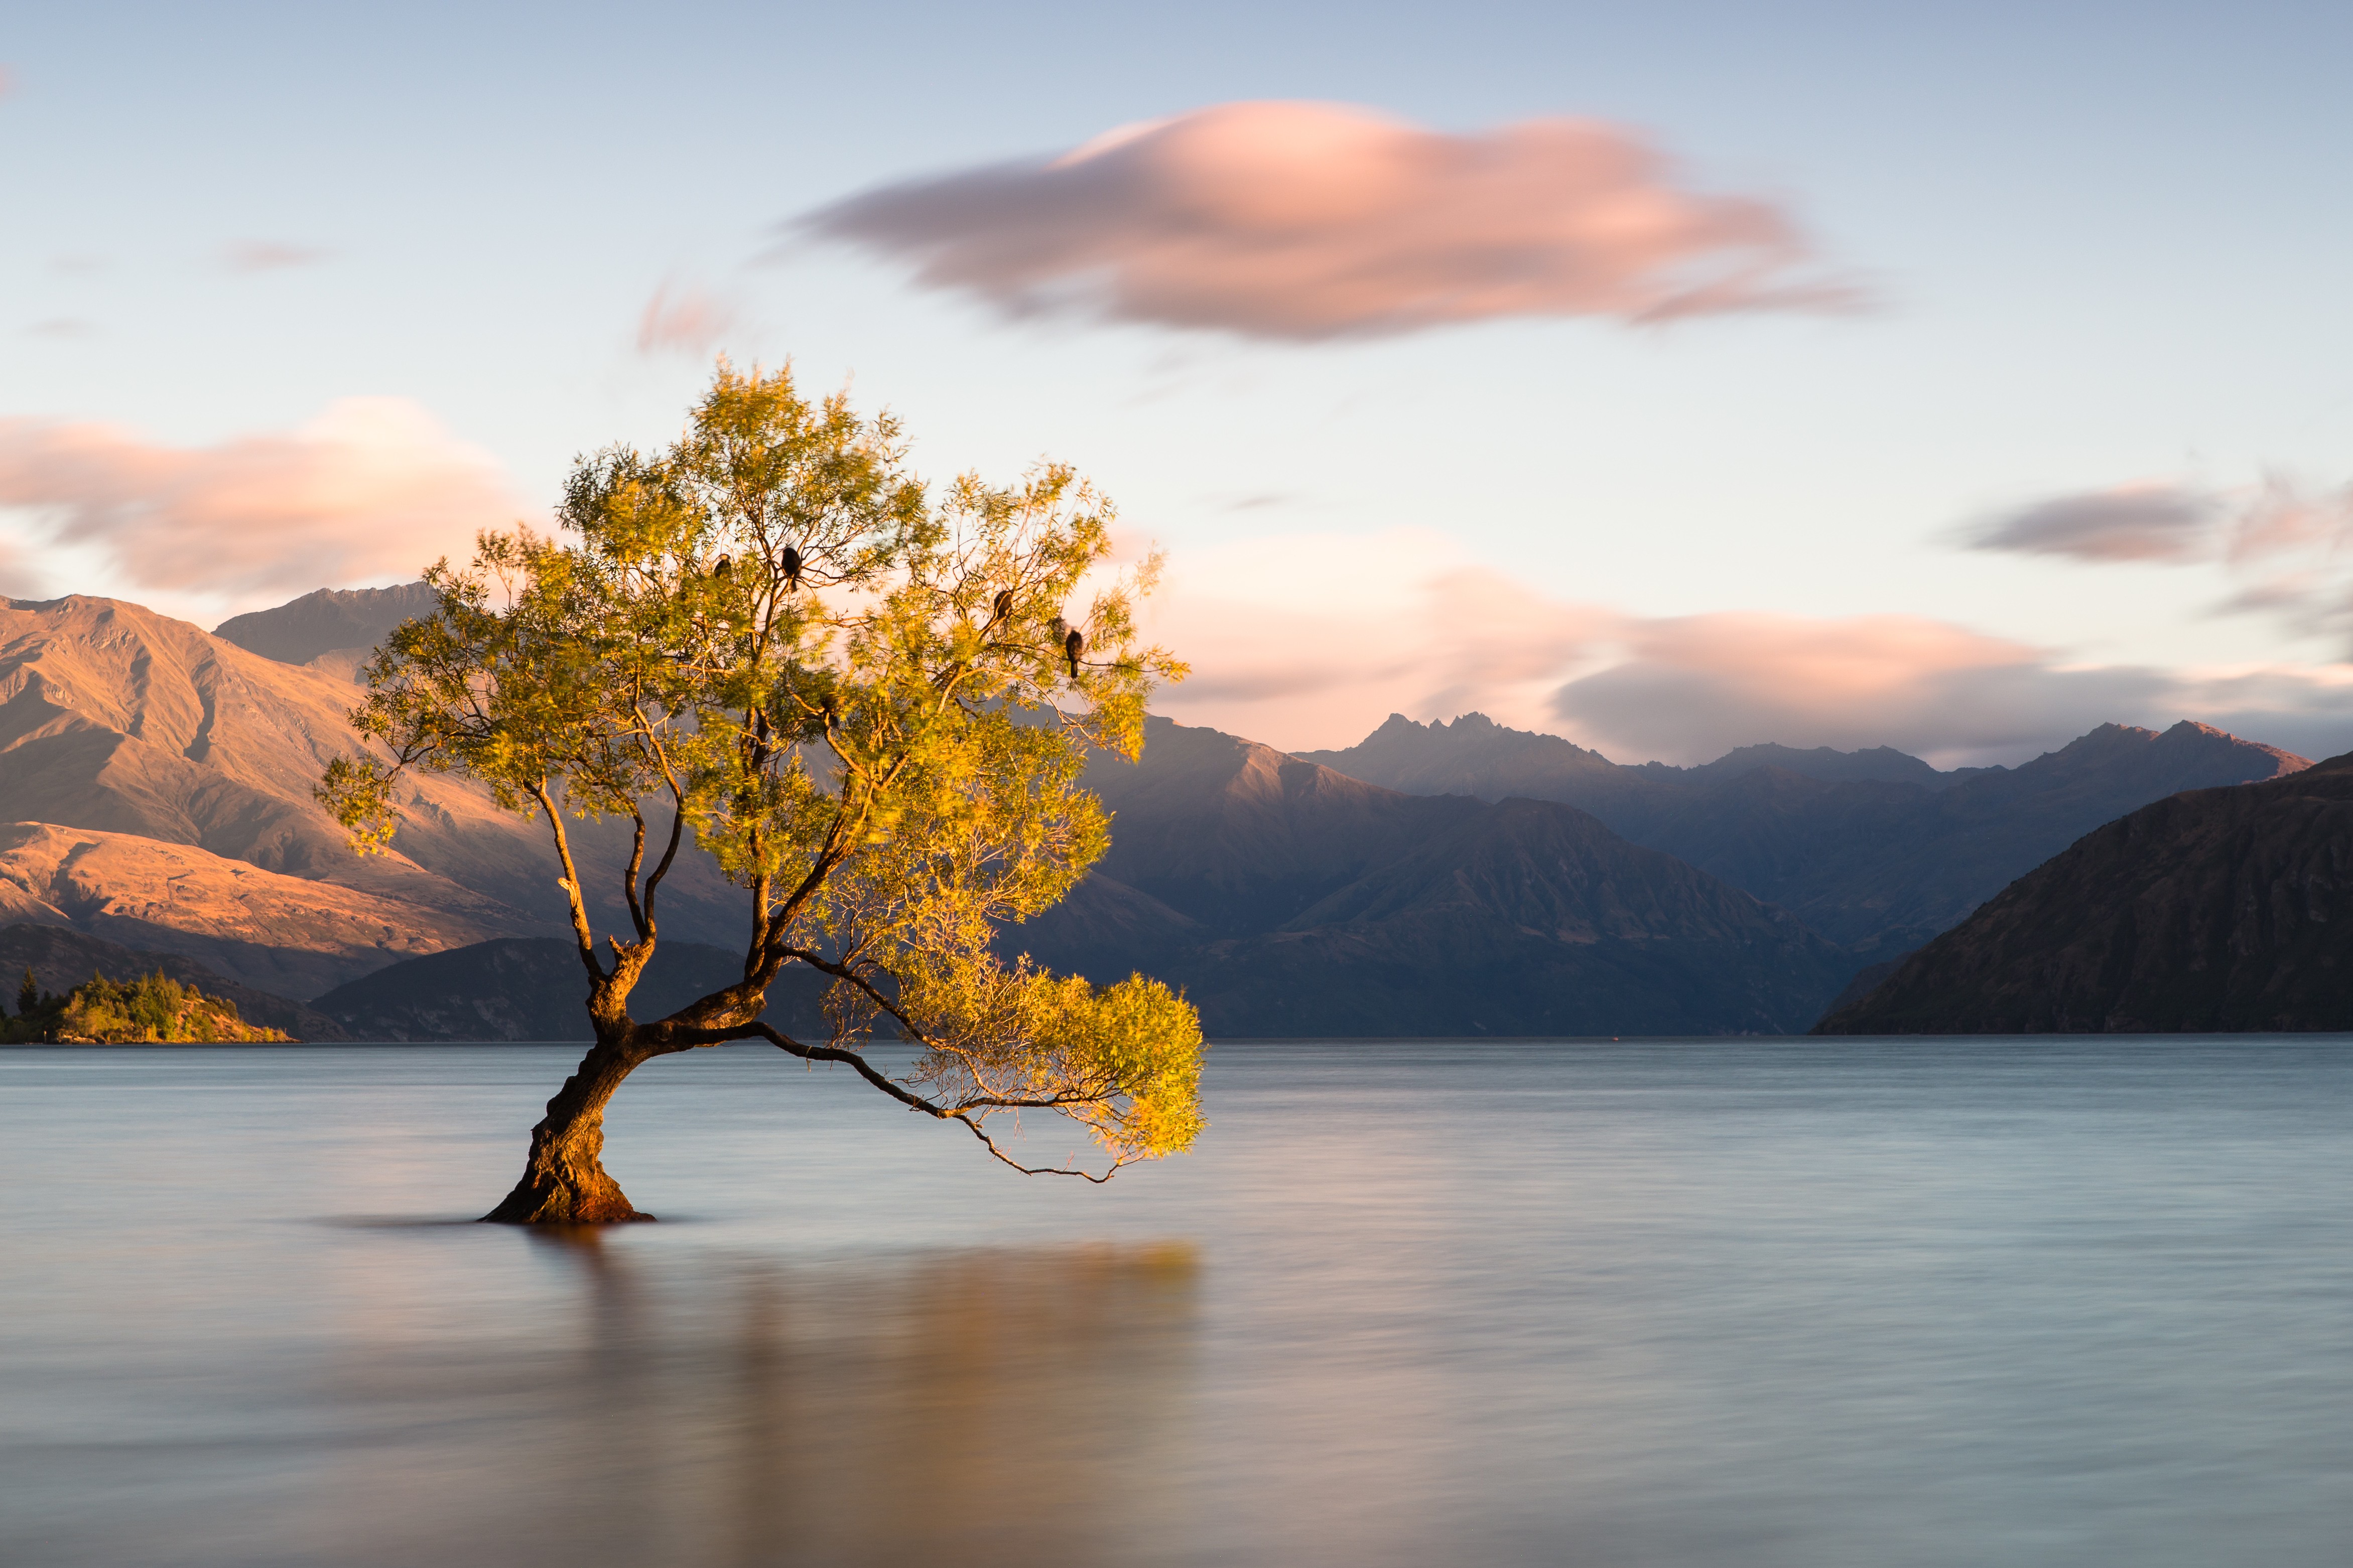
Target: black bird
{"x": 792, "y": 567}
{"x": 1072, "y": 645}
{"x": 720, "y": 567}
{"x": 1004, "y": 606}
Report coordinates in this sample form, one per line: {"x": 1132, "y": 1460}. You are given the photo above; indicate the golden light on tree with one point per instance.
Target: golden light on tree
{"x": 871, "y": 706}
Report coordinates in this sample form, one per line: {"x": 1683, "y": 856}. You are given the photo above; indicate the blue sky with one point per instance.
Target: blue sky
{"x": 2104, "y": 247}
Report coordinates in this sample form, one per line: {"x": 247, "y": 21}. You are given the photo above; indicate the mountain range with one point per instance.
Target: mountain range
{"x": 1289, "y": 899}
{"x": 1874, "y": 850}
{"x": 1438, "y": 879}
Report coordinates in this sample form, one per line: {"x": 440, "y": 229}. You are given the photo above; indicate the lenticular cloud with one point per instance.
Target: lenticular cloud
{"x": 1308, "y": 221}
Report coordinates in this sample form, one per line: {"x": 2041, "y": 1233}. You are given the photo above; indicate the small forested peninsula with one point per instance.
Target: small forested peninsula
{"x": 152, "y": 1010}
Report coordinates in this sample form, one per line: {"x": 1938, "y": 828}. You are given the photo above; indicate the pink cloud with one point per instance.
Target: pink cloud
{"x": 1307, "y": 221}
{"x": 683, "y": 320}
{"x": 1310, "y": 641}
{"x": 1689, "y": 687}
{"x": 373, "y": 487}
{"x": 1307, "y": 640}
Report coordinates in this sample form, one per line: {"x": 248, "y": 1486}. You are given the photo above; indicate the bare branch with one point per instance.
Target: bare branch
{"x": 581, "y": 934}
{"x": 844, "y": 972}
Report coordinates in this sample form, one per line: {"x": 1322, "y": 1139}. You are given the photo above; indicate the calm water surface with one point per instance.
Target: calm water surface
{"x": 1754, "y": 1303}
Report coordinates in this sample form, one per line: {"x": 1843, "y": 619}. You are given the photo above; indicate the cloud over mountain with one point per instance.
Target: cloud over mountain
{"x": 1305, "y": 221}
{"x": 1312, "y": 640}
{"x": 373, "y": 487}
{"x": 1688, "y": 686}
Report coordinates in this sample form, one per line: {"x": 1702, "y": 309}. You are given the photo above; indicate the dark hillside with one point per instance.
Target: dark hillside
{"x": 532, "y": 988}
{"x": 2217, "y": 910}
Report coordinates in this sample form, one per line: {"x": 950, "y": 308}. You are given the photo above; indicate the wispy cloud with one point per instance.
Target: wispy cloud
{"x": 1305, "y": 221}
{"x": 271, "y": 256}
{"x": 1309, "y": 641}
{"x": 2286, "y": 548}
{"x": 373, "y": 487}
{"x": 65, "y": 327}
{"x": 681, "y": 319}
{"x": 2130, "y": 523}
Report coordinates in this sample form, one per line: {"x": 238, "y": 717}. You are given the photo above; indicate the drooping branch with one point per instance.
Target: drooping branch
{"x": 899, "y": 1092}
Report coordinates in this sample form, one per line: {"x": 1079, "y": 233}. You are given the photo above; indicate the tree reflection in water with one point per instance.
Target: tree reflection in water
{"x": 1004, "y": 1405}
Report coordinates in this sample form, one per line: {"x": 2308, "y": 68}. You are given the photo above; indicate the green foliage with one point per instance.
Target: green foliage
{"x": 871, "y": 705}
{"x": 151, "y": 1009}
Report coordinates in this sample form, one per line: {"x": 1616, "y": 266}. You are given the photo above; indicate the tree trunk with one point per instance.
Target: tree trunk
{"x": 563, "y": 1181}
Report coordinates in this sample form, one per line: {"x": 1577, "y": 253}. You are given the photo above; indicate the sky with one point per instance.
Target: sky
{"x": 1671, "y": 377}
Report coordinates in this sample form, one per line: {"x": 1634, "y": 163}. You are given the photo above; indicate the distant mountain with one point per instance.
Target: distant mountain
{"x": 1875, "y": 849}
{"x": 1474, "y": 755}
{"x": 2217, "y": 910}
{"x": 1291, "y": 900}
{"x": 1880, "y": 764}
{"x": 333, "y": 620}
{"x": 117, "y": 721}
{"x": 532, "y": 988}
{"x": 61, "y": 959}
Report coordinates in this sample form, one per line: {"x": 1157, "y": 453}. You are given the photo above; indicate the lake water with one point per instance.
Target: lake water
{"x": 1750, "y": 1302}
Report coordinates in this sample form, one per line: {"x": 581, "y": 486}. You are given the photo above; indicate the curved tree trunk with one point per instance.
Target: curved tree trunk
{"x": 563, "y": 1180}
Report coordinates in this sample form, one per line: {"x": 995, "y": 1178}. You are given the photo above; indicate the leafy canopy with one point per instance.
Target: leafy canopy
{"x": 871, "y": 707}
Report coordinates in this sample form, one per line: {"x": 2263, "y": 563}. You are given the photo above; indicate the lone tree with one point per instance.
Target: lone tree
{"x": 867, "y": 704}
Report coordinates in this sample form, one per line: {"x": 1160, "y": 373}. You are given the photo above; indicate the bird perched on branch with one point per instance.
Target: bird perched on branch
{"x": 1003, "y": 609}
{"x": 792, "y": 567}
{"x": 720, "y": 567}
{"x": 1074, "y": 643}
